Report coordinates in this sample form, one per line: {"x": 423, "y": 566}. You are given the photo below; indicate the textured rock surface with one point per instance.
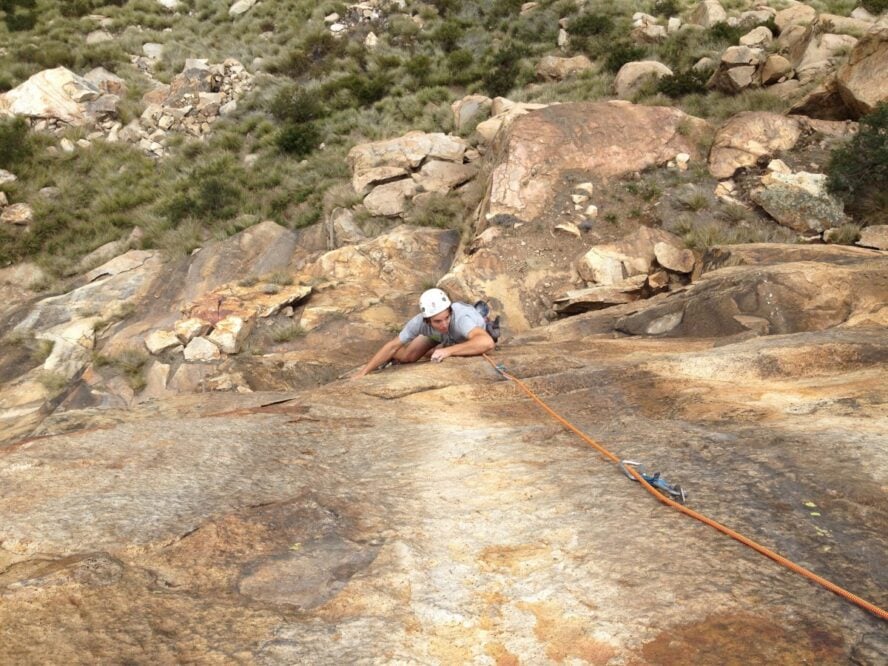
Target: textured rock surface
{"x": 432, "y": 514}
{"x": 748, "y": 136}
{"x": 53, "y": 94}
{"x": 862, "y": 81}
{"x": 603, "y": 139}
{"x": 555, "y": 68}
{"x": 633, "y": 76}
{"x": 800, "y": 201}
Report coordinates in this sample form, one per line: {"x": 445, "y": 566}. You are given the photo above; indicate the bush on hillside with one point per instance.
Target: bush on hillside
{"x": 460, "y": 67}
{"x": 722, "y": 32}
{"x": 666, "y": 8}
{"x": 505, "y": 65}
{"x": 15, "y": 142}
{"x": 874, "y": 7}
{"x": 294, "y": 64}
{"x": 298, "y": 139}
{"x": 210, "y": 192}
{"x": 19, "y": 15}
{"x": 688, "y": 82}
{"x": 296, "y": 105}
{"x": 619, "y": 53}
{"x": 858, "y": 171}
{"x": 448, "y": 34}
{"x": 589, "y": 25}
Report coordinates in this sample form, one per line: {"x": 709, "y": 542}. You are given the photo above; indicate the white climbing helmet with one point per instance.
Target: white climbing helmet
{"x": 432, "y": 302}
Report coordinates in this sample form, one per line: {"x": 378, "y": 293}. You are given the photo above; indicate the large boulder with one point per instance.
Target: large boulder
{"x": 708, "y": 13}
{"x": 875, "y": 236}
{"x": 775, "y": 69}
{"x": 819, "y": 52}
{"x": 55, "y": 94}
{"x": 824, "y": 102}
{"x": 815, "y": 292}
{"x": 601, "y": 139}
{"x": 469, "y": 111}
{"x": 796, "y": 14}
{"x": 862, "y": 82}
{"x": 557, "y": 69}
{"x": 375, "y": 281}
{"x": 633, "y": 255}
{"x": 125, "y": 279}
{"x": 737, "y": 69}
{"x": 391, "y": 172}
{"x": 241, "y": 7}
{"x": 407, "y": 152}
{"x": 800, "y": 201}
{"x": 748, "y": 136}
{"x": 17, "y": 214}
{"x": 633, "y": 76}
{"x": 502, "y": 117}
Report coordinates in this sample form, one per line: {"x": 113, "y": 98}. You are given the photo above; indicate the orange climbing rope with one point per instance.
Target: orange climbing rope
{"x": 767, "y": 552}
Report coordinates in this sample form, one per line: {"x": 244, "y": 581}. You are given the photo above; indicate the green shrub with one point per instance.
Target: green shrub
{"x": 460, "y": 66}
{"x": 211, "y": 192}
{"x": 589, "y": 25}
{"x": 19, "y": 15}
{"x": 298, "y": 139}
{"x": 688, "y": 82}
{"x": 874, "y": 7}
{"x": 287, "y": 332}
{"x": 353, "y": 90}
{"x": 666, "y": 8}
{"x": 75, "y": 8}
{"x": 621, "y": 52}
{"x": 502, "y": 9}
{"x": 503, "y": 70}
{"x": 858, "y": 171}
{"x": 722, "y": 32}
{"x": 846, "y": 234}
{"x": 15, "y": 143}
{"x": 294, "y": 64}
{"x": 440, "y": 210}
{"x": 53, "y": 382}
{"x": 296, "y": 105}
{"x": 448, "y": 34}
{"x": 419, "y": 67}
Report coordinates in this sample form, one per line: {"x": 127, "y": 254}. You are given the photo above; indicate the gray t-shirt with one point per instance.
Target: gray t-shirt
{"x": 463, "y": 319}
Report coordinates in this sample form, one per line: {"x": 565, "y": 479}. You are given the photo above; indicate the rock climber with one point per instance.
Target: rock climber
{"x": 444, "y": 328}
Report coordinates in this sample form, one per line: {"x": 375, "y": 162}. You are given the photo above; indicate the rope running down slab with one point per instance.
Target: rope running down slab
{"x": 767, "y": 552}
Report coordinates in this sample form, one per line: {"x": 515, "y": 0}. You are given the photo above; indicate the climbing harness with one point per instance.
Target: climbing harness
{"x": 635, "y": 471}
{"x": 657, "y": 481}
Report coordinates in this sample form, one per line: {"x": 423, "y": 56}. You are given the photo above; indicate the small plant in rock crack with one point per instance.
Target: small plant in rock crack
{"x": 287, "y": 332}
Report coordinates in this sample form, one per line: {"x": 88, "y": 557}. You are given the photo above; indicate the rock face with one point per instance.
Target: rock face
{"x": 634, "y": 255}
{"x": 759, "y": 293}
{"x": 433, "y": 512}
{"x": 58, "y": 95}
{"x": 737, "y": 69}
{"x": 18, "y": 214}
{"x": 557, "y": 69}
{"x": 748, "y": 136}
{"x": 634, "y": 75}
{"x": 818, "y": 52}
{"x": 708, "y": 13}
{"x": 604, "y": 139}
{"x": 800, "y": 201}
{"x": 874, "y": 236}
{"x": 392, "y": 172}
{"x": 470, "y": 110}
{"x": 861, "y": 81}
{"x": 190, "y": 104}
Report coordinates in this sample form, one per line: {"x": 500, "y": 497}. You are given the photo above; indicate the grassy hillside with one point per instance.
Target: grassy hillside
{"x": 315, "y": 96}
